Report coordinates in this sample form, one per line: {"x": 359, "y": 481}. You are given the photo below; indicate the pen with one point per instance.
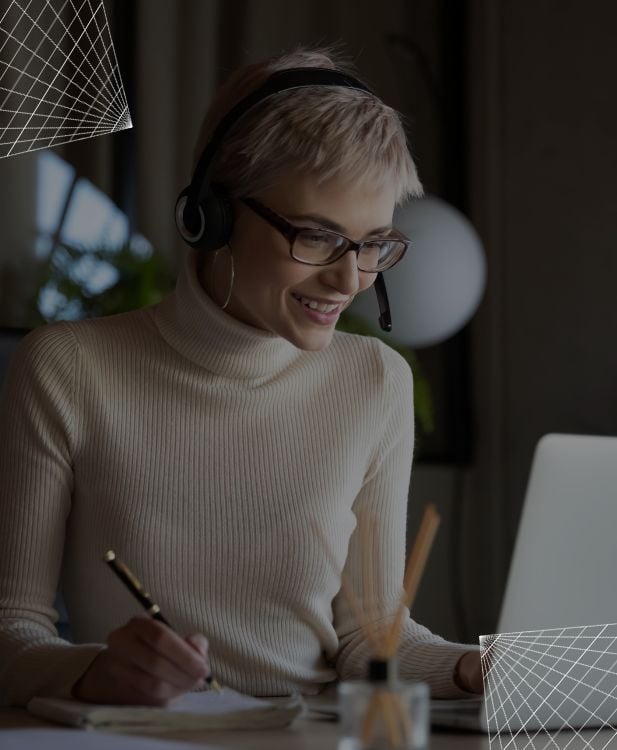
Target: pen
{"x": 134, "y": 585}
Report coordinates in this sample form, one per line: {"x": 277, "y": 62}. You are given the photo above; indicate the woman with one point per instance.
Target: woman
{"x": 217, "y": 440}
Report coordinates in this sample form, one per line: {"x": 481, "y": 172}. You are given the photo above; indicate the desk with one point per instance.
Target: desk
{"x": 313, "y": 734}
{"x": 305, "y": 734}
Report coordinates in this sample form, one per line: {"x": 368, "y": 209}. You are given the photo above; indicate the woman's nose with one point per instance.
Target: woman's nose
{"x": 343, "y": 274}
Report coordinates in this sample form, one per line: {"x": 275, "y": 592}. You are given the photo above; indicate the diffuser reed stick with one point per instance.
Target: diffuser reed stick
{"x": 348, "y": 592}
{"x": 385, "y": 704}
{"x": 413, "y": 574}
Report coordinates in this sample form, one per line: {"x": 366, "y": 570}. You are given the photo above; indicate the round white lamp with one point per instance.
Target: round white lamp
{"x": 438, "y": 285}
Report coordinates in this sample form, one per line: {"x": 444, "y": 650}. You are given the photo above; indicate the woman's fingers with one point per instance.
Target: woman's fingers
{"x": 146, "y": 663}
{"x": 109, "y": 680}
{"x": 135, "y": 652}
{"x": 200, "y": 642}
{"x": 169, "y": 645}
{"x": 133, "y": 686}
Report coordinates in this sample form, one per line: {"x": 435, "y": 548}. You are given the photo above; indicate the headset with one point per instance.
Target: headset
{"x": 204, "y": 210}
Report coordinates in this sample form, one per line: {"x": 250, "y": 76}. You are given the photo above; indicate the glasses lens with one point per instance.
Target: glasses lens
{"x": 317, "y": 246}
{"x": 381, "y": 254}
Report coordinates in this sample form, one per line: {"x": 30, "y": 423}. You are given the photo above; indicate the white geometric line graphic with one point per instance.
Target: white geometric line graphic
{"x": 566, "y": 719}
{"x": 555, "y": 687}
{"x": 539, "y": 684}
{"x": 59, "y": 76}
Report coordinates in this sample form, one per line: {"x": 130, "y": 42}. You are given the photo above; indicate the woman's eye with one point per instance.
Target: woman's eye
{"x": 317, "y": 238}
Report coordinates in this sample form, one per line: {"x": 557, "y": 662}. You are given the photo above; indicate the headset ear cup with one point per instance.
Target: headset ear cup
{"x": 211, "y": 228}
{"x": 194, "y": 235}
{"x": 219, "y": 218}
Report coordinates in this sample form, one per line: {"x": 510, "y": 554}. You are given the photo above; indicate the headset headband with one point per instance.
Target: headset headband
{"x": 282, "y": 80}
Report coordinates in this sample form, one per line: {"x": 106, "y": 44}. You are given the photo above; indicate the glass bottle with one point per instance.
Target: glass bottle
{"x": 383, "y": 712}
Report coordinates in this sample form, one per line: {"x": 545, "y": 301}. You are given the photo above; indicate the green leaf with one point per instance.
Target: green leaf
{"x": 141, "y": 280}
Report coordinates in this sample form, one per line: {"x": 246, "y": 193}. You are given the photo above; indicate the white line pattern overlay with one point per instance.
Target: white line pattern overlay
{"x": 59, "y": 76}
{"x": 542, "y": 683}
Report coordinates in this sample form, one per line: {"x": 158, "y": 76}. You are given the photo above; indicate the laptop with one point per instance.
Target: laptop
{"x": 553, "y": 662}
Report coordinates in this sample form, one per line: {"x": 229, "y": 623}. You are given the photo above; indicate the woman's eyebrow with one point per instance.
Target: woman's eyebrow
{"x": 329, "y": 224}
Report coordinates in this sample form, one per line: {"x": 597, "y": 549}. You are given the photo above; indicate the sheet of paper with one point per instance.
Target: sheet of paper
{"x": 73, "y": 739}
{"x": 210, "y": 702}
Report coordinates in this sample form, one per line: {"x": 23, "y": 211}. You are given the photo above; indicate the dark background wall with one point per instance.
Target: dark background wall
{"x": 542, "y": 192}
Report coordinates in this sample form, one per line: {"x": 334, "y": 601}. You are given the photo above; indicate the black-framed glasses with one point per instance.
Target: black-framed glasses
{"x": 320, "y": 247}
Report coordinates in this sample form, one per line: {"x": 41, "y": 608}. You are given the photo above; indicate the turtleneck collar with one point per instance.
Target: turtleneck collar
{"x": 198, "y": 329}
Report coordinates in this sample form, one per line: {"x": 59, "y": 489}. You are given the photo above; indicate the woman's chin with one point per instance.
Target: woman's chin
{"x": 311, "y": 340}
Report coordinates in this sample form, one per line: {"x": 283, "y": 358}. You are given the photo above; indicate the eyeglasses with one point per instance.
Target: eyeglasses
{"x": 320, "y": 247}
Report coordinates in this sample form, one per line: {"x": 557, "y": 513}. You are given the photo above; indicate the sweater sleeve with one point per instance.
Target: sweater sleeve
{"x": 375, "y": 570}
{"x": 37, "y": 425}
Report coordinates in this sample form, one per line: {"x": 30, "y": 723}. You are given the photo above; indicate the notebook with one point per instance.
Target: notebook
{"x": 190, "y": 712}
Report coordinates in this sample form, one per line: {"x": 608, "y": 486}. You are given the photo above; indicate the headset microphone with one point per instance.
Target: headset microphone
{"x": 385, "y": 319}
{"x": 204, "y": 211}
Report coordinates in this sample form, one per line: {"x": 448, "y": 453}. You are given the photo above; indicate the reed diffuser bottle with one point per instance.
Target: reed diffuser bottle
{"x": 383, "y": 713}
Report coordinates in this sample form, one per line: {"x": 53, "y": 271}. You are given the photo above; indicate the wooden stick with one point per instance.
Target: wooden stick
{"x": 389, "y": 705}
{"x": 370, "y": 716}
{"x": 413, "y": 574}
{"x": 403, "y": 716}
{"x": 348, "y": 591}
{"x": 382, "y": 702}
{"x": 367, "y": 528}
{"x": 389, "y": 710}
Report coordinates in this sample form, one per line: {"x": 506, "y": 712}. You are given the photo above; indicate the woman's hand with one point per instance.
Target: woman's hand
{"x": 146, "y": 664}
{"x": 468, "y": 672}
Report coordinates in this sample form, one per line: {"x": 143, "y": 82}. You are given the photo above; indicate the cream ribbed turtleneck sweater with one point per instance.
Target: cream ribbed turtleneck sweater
{"x": 202, "y": 450}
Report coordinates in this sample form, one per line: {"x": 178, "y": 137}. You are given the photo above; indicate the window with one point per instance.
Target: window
{"x": 79, "y": 231}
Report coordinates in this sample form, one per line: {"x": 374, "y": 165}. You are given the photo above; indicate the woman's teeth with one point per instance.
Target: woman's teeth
{"x": 320, "y": 306}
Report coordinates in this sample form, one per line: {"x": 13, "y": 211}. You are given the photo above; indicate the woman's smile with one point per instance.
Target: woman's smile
{"x": 318, "y": 312}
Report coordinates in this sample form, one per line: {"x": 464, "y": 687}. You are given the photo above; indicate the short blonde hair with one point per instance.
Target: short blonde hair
{"x": 328, "y": 132}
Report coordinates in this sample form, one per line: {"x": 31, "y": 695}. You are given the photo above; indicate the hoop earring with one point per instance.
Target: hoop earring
{"x": 233, "y": 274}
